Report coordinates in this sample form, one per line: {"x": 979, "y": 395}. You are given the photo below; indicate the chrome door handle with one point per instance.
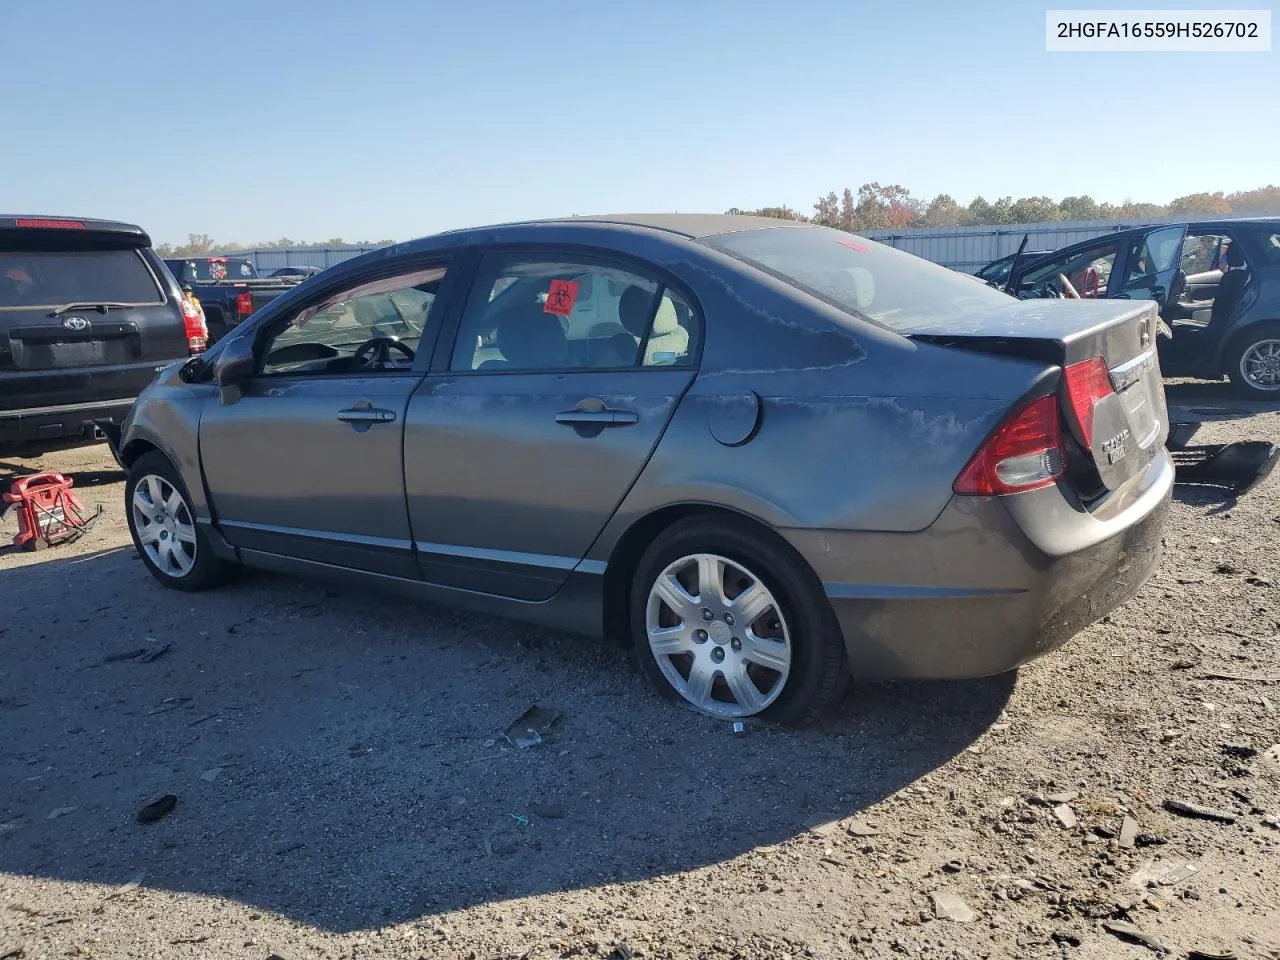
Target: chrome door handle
{"x": 366, "y": 415}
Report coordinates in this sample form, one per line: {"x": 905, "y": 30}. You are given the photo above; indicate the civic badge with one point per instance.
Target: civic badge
{"x": 75, "y": 323}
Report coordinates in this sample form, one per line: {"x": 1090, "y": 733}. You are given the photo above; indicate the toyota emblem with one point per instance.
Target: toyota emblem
{"x": 75, "y": 323}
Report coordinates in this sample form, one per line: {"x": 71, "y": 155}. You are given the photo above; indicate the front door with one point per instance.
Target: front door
{"x": 1151, "y": 263}
{"x": 563, "y": 375}
{"x": 307, "y": 462}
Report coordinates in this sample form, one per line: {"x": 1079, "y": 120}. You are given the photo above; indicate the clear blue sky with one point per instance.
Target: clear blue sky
{"x": 382, "y": 119}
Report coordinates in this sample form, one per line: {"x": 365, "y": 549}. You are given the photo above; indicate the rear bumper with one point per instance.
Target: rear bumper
{"x": 61, "y": 422}
{"x": 976, "y": 594}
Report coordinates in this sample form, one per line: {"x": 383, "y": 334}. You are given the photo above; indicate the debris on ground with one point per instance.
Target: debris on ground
{"x": 860, "y": 828}
{"x": 949, "y": 906}
{"x": 157, "y": 809}
{"x": 1196, "y": 810}
{"x": 529, "y": 729}
{"x": 1128, "y": 832}
{"x": 211, "y": 774}
{"x": 1065, "y": 816}
{"x": 1133, "y": 934}
{"x": 1165, "y": 873}
{"x": 139, "y": 655}
{"x": 548, "y": 811}
{"x": 57, "y": 812}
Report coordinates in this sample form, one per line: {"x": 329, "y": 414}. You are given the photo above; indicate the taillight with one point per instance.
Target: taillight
{"x": 44, "y": 224}
{"x": 1088, "y": 383}
{"x": 1024, "y": 453}
{"x": 196, "y": 329}
{"x": 244, "y": 304}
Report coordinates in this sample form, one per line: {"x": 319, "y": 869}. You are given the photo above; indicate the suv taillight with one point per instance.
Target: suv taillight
{"x": 1025, "y": 453}
{"x": 1088, "y": 383}
{"x": 244, "y": 304}
{"x": 196, "y": 329}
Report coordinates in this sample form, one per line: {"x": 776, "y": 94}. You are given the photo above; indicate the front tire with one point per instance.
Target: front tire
{"x": 1252, "y": 361}
{"x": 162, "y": 524}
{"x": 729, "y": 620}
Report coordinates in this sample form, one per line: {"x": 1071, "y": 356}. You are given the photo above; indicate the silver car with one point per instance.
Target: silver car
{"x": 770, "y": 456}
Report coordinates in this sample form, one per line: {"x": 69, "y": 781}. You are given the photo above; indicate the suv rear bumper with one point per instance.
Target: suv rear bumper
{"x": 975, "y": 595}
{"x": 60, "y": 422}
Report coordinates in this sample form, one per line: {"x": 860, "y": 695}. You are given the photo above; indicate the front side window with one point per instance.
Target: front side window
{"x": 1084, "y": 272}
{"x": 373, "y": 327}
{"x": 528, "y": 313}
{"x": 861, "y": 277}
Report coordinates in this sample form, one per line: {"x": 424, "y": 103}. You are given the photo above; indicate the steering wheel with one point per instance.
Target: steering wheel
{"x": 376, "y": 351}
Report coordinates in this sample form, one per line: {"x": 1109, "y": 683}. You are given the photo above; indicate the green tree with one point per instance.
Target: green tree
{"x": 1200, "y": 203}
{"x": 848, "y": 210}
{"x": 1080, "y": 208}
{"x": 826, "y": 210}
{"x": 980, "y": 212}
{"x": 1264, "y": 200}
{"x": 943, "y": 211}
{"x": 1035, "y": 210}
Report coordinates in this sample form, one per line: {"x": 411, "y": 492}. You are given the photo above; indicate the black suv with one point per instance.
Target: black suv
{"x": 88, "y": 315}
{"x": 1217, "y": 283}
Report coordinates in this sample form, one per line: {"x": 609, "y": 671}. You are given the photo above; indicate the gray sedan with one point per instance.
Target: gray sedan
{"x": 769, "y": 456}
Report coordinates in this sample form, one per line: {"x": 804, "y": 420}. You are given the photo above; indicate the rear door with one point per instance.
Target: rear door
{"x": 308, "y": 462}
{"x": 562, "y": 377}
{"x": 85, "y": 316}
{"x": 1151, "y": 262}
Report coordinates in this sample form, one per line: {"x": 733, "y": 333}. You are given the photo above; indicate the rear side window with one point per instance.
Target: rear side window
{"x": 861, "y": 277}
{"x": 529, "y": 313}
{"x": 47, "y": 279}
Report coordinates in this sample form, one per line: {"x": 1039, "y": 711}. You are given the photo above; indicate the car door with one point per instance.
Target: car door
{"x": 1084, "y": 271}
{"x": 520, "y": 446}
{"x": 1151, "y": 263}
{"x": 308, "y": 462}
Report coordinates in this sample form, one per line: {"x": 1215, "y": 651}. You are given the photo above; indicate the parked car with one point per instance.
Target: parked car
{"x": 303, "y": 272}
{"x": 1222, "y": 323}
{"x": 997, "y": 271}
{"x": 777, "y": 455}
{"x": 88, "y": 314}
{"x": 229, "y": 288}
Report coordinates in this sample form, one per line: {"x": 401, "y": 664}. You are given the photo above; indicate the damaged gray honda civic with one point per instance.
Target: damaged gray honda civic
{"x": 770, "y": 456}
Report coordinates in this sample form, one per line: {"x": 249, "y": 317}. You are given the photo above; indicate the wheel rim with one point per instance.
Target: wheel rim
{"x": 1260, "y": 365}
{"x": 718, "y": 635}
{"x": 164, "y": 525}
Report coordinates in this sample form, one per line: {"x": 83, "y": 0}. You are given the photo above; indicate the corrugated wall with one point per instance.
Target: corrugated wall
{"x": 273, "y": 258}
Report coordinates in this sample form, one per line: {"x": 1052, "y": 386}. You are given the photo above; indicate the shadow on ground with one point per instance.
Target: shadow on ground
{"x": 339, "y": 759}
{"x": 1212, "y": 400}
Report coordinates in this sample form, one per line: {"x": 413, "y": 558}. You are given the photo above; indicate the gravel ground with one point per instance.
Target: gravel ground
{"x": 344, "y": 788}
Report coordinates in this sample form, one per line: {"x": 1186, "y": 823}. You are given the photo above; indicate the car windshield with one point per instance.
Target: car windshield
{"x": 861, "y": 277}
{"x": 43, "y": 278}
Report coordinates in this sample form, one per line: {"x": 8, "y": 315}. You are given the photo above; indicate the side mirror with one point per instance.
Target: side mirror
{"x": 234, "y": 364}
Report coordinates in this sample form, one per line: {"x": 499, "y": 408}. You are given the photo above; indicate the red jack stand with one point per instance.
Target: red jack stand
{"x": 48, "y": 512}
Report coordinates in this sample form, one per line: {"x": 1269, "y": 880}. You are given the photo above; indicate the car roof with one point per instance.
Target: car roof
{"x": 26, "y": 221}
{"x": 694, "y": 226}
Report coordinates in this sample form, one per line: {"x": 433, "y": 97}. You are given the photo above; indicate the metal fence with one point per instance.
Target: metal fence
{"x": 969, "y": 248}
{"x": 961, "y": 248}
{"x": 273, "y": 258}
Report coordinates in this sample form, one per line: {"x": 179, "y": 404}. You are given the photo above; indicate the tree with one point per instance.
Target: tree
{"x": 1199, "y": 203}
{"x": 885, "y": 208}
{"x": 1140, "y": 211}
{"x": 980, "y": 212}
{"x": 1035, "y": 210}
{"x": 827, "y": 210}
{"x": 778, "y": 213}
{"x": 1079, "y": 208}
{"x": 943, "y": 211}
{"x": 848, "y": 210}
{"x": 1264, "y": 200}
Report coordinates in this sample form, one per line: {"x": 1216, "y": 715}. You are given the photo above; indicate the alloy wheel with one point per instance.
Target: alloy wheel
{"x": 1260, "y": 365}
{"x": 718, "y": 635}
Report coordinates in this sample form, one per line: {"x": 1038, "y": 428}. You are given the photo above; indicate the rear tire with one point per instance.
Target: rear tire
{"x": 781, "y": 658}
{"x": 1252, "y": 361}
{"x": 162, "y": 523}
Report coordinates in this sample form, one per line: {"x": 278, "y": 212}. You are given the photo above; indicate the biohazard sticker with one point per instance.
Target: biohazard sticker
{"x": 561, "y": 297}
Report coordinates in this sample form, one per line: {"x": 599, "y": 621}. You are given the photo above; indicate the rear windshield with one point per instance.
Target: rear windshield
{"x": 207, "y": 271}
{"x": 862, "y": 277}
{"x": 33, "y": 278}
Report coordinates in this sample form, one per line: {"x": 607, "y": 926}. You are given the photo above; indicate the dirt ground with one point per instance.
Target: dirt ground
{"x": 344, "y": 788}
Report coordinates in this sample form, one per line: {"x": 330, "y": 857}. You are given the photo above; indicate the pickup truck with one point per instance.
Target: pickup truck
{"x": 228, "y": 288}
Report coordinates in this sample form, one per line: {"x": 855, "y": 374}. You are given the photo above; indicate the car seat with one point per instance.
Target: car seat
{"x": 668, "y": 341}
{"x": 529, "y": 341}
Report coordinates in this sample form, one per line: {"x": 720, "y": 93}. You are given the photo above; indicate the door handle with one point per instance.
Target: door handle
{"x": 366, "y": 415}
{"x": 598, "y": 418}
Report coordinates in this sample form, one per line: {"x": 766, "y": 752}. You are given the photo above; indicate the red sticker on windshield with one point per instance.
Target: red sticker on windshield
{"x": 560, "y": 298}
{"x": 854, "y": 245}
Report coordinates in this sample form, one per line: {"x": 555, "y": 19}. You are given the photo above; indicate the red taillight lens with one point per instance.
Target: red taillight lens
{"x": 244, "y": 304}
{"x": 197, "y": 331}
{"x": 1024, "y": 453}
{"x": 1088, "y": 382}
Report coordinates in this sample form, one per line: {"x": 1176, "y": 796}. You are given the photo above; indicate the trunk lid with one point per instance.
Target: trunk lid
{"x": 1114, "y": 433}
